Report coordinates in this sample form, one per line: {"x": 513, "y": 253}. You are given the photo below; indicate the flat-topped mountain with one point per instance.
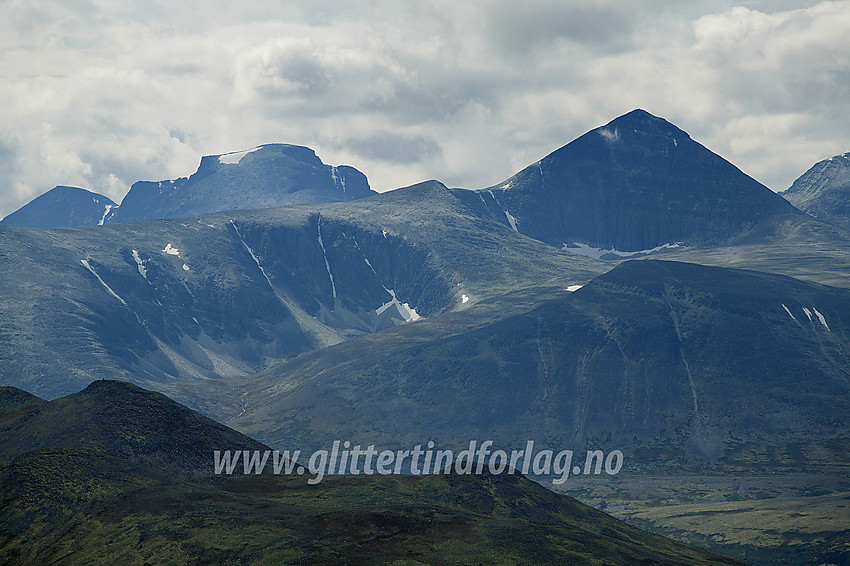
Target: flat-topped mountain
{"x": 824, "y": 191}
{"x": 637, "y": 183}
{"x": 62, "y": 207}
{"x": 267, "y": 176}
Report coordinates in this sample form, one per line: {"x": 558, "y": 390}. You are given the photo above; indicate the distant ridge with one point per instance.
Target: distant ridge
{"x": 266, "y": 176}
{"x": 62, "y": 207}
{"x": 637, "y": 183}
{"x": 824, "y": 191}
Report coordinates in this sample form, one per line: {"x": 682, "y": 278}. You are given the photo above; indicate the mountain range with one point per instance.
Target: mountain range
{"x": 280, "y": 296}
{"x": 163, "y": 302}
{"x": 266, "y": 176}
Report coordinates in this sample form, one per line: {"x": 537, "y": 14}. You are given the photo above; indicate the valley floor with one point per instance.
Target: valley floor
{"x": 760, "y": 519}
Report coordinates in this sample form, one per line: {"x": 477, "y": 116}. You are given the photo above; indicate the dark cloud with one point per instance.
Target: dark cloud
{"x": 394, "y": 148}
{"x": 521, "y": 28}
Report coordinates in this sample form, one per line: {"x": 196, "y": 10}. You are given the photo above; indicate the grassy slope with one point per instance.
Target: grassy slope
{"x": 83, "y": 508}
{"x": 96, "y": 496}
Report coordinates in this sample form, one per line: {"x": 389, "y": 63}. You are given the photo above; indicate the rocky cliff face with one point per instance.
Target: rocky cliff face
{"x": 636, "y": 183}
{"x": 824, "y": 191}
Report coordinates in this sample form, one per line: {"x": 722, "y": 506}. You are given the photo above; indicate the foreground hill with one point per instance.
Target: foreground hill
{"x": 90, "y": 498}
{"x": 681, "y": 366}
{"x": 62, "y": 207}
{"x": 824, "y": 191}
{"x": 227, "y": 295}
{"x": 637, "y": 183}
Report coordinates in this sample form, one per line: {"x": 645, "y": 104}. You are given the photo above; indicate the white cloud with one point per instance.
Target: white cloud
{"x": 101, "y": 94}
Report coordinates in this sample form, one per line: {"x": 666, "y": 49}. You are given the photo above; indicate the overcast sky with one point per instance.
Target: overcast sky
{"x": 101, "y": 93}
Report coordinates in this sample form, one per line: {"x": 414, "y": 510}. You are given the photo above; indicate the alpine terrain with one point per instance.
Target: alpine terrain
{"x": 824, "y": 191}
{"x": 632, "y": 293}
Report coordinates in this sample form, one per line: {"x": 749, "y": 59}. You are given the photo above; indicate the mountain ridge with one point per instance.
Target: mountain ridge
{"x": 676, "y": 364}
{"x": 824, "y": 191}
{"x": 266, "y": 176}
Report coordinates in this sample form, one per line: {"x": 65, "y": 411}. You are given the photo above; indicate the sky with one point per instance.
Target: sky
{"x": 101, "y": 94}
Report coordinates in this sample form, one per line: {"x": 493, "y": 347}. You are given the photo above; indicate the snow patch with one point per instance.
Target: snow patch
{"x": 338, "y": 181}
{"x": 185, "y": 267}
{"x": 325, "y": 255}
{"x": 404, "y": 310}
{"x": 88, "y": 266}
{"x": 511, "y": 221}
{"x": 821, "y": 318}
{"x": 106, "y": 213}
{"x": 789, "y": 312}
{"x": 170, "y": 250}
{"x": 609, "y": 136}
{"x": 574, "y": 288}
{"x": 808, "y": 313}
{"x": 597, "y": 253}
{"x": 140, "y": 264}
{"x": 235, "y": 157}
{"x": 510, "y": 218}
{"x": 464, "y": 299}
{"x": 253, "y": 256}
{"x": 384, "y": 233}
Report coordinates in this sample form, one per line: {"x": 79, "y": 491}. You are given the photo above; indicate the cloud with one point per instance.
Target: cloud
{"x": 102, "y": 94}
{"x": 394, "y": 148}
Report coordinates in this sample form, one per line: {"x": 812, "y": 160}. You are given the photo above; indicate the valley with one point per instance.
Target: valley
{"x": 631, "y": 291}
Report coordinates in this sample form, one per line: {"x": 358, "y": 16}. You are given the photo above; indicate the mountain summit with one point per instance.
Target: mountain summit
{"x": 636, "y": 183}
{"x": 267, "y": 176}
{"x": 824, "y": 191}
{"x": 62, "y": 207}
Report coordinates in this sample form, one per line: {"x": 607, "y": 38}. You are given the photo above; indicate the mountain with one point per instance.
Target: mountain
{"x": 167, "y": 302}
{"x": 115, "y": 474}
{"x": 824, "y": 191}
{"x": 267, "y": 176}
{"x": 638, "y": 183}
{"x": 120, "y": 420}
{"x": 13, "y": 399}
{"x": 62, "y": 206}
{"x": 678, "y": 365}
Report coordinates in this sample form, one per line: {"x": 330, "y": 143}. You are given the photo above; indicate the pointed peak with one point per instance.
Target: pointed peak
{"x": 642, "y": 121}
